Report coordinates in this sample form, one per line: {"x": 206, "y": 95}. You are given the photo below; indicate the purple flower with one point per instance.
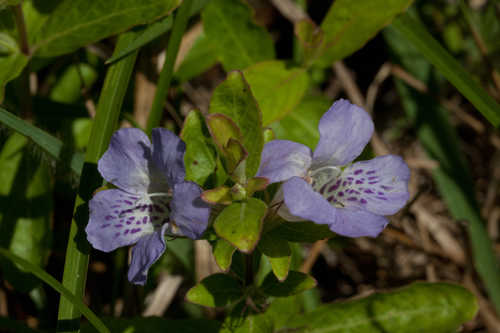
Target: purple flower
{"x": 152, "y": 198}
{"x": 326, "y": 187}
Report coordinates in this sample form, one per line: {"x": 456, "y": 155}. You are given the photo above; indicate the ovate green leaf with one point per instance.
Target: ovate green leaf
{"x": 215, "y": 290}
{"x": 234, "y": 99}
{"x": 238, "y": 40}
{"x": 348, "y": 25}
{"x": 276, "y": 88}
{"x": 295, "y": 283}
{"x": 199, "y": 158}
{"x": 420, "y": 307}
{"x": 241, "y": 223}
{"x": 277, "y": 251}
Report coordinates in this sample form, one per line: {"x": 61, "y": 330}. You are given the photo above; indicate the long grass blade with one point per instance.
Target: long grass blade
{"x": 53, "y": 146}
{"x": 108, "y": 111}
{"x": 57, "y": 286}
{"x": 432, "y": 50}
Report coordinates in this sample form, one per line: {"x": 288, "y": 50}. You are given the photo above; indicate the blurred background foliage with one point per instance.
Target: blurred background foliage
{"x": 298, "y": 56}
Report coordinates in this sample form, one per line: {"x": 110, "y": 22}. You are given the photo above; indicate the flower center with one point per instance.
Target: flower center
{"x": 326, "y": 180}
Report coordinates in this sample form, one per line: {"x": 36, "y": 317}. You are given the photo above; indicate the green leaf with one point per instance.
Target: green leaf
{"x": 223, "y": 254}
{"x": 68, "y": 88}
{"x": 310, "y": 37}
{"x": 199, "y": 58}
{"x": 11, "y": 67}
{"x": 55, "y": 30}
{"x": 199, "y": 159}
{"x": 277, "y": 251}
{"x": 276, "y": 88}
{"x": 156, "y": 324}
{"x": 238, "y": 40}
{"x": 252, "y": 324}
{"x": 301, "y": 125}
{"x": 234, "y": 99}
{"x": 453, "y": 178}
{"x": 57, "y": 286}
{"x": 416, "y": 33}
{"x": 420, "y": 307}
{"x": 222, "y": 128}
{"x": 348, "y": 25}
{"x": 307, "y": 232}
{"x": 148, "y": 34}
{"x": 295, "y": 283}
{"x": 54, "y": 147}
{"x": 241, "y": 223}
{"x": 25, "y": 209}
{"x": 235, "y": 155}
{"x": 218, "y": 195}
{"x": 215, "y": 290}
{"x": 282, "y": 310}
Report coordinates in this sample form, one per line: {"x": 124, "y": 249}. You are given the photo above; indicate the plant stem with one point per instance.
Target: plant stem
{"x": 21, "y": 30}
{"x": 77, "y": 254}
{"x": 180, "y": 23}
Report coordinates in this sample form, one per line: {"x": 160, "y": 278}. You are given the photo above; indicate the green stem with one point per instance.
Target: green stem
{"x": 180, "y": 23}
{"x": 77, "y": 254}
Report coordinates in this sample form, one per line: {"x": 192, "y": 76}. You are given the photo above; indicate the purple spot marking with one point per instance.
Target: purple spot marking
{"x": 382, "y": 198}
{"x": 134, "y": 198}
{"x": 118, "y": 225}
{"x": 368, "y": 191}
{"x": 341, "y": 194}
{"x": 105, "y": 225}
{"x": 359, "y": 182}
{"x": 322, "y": 189}
{"x": 138, "y": 222}
{"x": 130, "y": 203}
{"x": 143, "y": 208}
{"x": 129, "y": 222}
{"x": 330, "y": 199}
{"x": 145, "y": 220}
{"x": 133, "y": 231}
{"x": 344, "y": 183}
{"x": 350, "y": 178}
{"x": 109, "y": 217}
{"x": 363, "y": 201}
{"x": 372, "y": 178}
{"x": 352, "y": 199}
{"x": 380, "y": 193}
{"x": 126, "y": 231}
{"x": 387, "y": 188}
{"x": 374, "y": 182}
{"x": 333, "y": 188}
{"x": 359, "y": 171}
{"x": 131, "y": 218}
{"x": 370, "y": 172}
{"x": 117, "y": 234}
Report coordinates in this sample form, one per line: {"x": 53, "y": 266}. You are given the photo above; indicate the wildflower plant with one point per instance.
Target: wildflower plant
{"x": 263, "y": 168}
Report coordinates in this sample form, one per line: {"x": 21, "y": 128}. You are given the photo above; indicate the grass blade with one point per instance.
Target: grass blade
{"x": 432, "y": 50}
{"x": 53, "y": 146}
{"x": 147, "y": 35}
{"x": 180, "y": 23}
{"x": 56, "y": 285}
{"x": 108, "y": 111}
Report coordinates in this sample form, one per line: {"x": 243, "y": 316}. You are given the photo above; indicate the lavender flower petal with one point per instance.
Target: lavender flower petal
{"x": 189, "y": 213}
{"x": 282, "y": 159}
{"x": 125, "y": 163}
{"x": 353, "y": 222}
{"x": 302, "y": 201}
{"x": 344, "y": 130}
{"x": 379, "y": 185}
{"x": 115, "y": 220}
{"x": 168, "y": 156}
{"x": 147, "y": 250}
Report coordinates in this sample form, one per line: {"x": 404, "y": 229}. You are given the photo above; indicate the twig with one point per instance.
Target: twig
{"x": 163, "y": 295}
{"x": 21, "y": 29}
{"x": 290, "y": 10}
{"x": 313, "y": 256}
